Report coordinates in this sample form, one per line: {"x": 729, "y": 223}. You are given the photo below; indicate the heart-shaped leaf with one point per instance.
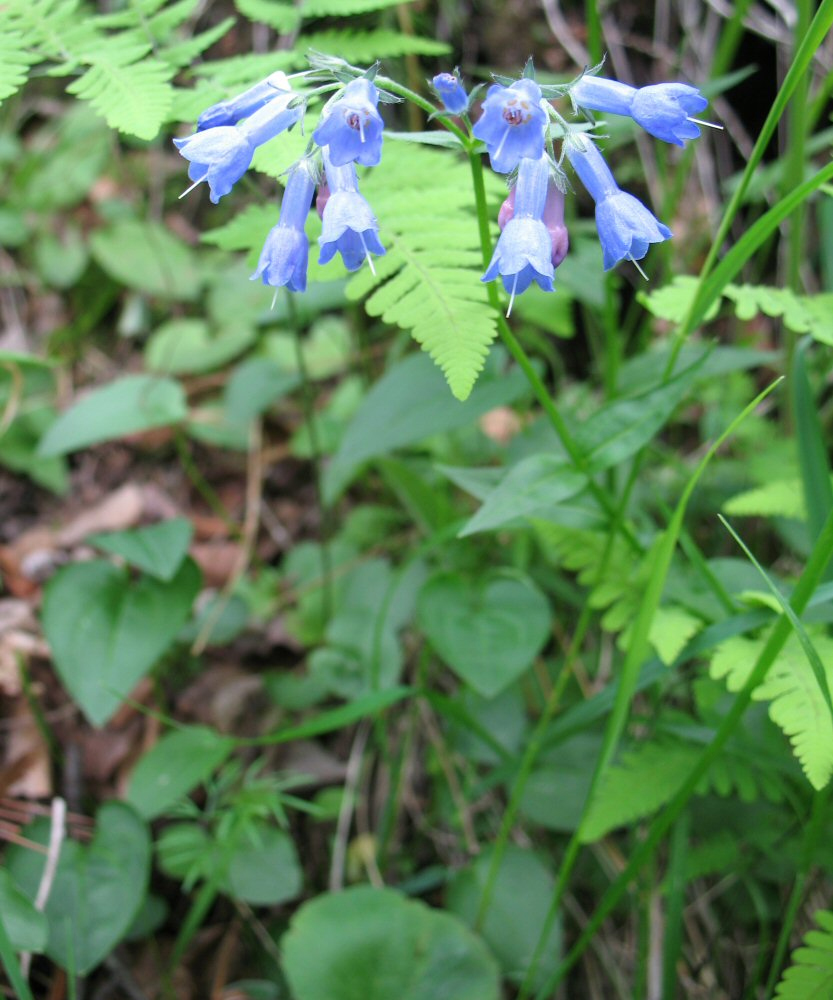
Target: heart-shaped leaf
{"x": 189, "y": 347}
{"x": 158, "y": 549}
{"x": 488, "y": 631}
{"x": 376, "y": 944}
{"x": 97, "y": 891}
{"x": 107, "y": 631}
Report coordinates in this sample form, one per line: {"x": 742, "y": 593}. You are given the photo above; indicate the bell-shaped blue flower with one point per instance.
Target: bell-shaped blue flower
{"x": 352, "y": 126}
{"x": 512, "y": 124}
{"x": 626, "y": 227}
{"x": 349, "y": 226}
{"x": 664, "y": 110}
{"x": 525, "y": 249}
{"x": 451, "y": 92}
{"x": 235, "y": 109}
{"x": 284, "y": 258}
{"x": 223, "y": 154}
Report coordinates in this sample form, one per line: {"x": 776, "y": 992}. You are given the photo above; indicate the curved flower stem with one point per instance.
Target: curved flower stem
{"x": 522, "y": 358}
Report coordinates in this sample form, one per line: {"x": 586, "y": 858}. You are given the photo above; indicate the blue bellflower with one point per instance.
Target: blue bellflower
{"x": 283, "y": 260}
{"x": 525, "y": 250}
{"x": 664, "y": 110}
{"x": 234, "y": 110}
{"x": 512, "y": 124}
{"x": 221, "y": 155}
{"x": 626, "y": 227}
{"x": 350, "y": 228}
{"x": 352, "y": 126}
{"x": 451, "y": 93}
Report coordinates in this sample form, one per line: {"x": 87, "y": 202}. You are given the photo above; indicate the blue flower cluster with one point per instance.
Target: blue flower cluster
{"x": 515, "y": 126}
{"x": 349, "y": 132}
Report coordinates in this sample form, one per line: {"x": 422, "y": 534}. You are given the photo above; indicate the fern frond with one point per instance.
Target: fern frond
{"x": 238, "y": 72}
{"x": 278, "y": 14}
{"x": 133, "y": 98}
{"x": 183, "y": 53}
{"x": 15, "y": 60}
{"x": 429, "y": 283}
{"x": 345, "y": 8}
{"x": 810, "y": 977}
{"x": 651, "y": 774}
{"x": 776, "y": 498}
{"x": 364, "y": 47}
{"x": 797, "y": 705}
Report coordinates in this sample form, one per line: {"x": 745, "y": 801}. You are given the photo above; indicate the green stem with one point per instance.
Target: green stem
{"x": 806, "y": 586}
{"x": 525, "y": 364}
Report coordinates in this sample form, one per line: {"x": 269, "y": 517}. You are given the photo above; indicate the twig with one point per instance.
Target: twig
{"x": 56, "y": 839}
{"x": 348, "y": 802}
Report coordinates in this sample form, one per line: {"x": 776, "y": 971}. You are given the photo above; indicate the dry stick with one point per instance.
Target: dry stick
{"x": 56, "y": 839}
{"x": 348, "y": 802}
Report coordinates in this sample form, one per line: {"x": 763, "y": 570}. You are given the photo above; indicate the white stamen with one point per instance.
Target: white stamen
{"x": 274, "y": 299}
{"x": 367, "y": 254}
{"x": 636, "y": 265}
{"x": 190, "y": 189}
{"x": 500, "y": 145}
{"x": 512, "y": 296}
{"x": 361, "y": 128}
{"x": 699, "y": 121}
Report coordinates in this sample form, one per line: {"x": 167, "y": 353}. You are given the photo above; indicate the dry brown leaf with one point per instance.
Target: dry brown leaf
{"x": 120, "y": 510}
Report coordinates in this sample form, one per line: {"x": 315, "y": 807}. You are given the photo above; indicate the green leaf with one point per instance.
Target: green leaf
{"x": 107, "y": 632}
{"x": 157, "y": 549}
{"x": 489, "y": 631}
{"x": 15, "y": 60}
{"x": 797, "y": 704}
{"x": 344, "y": 8}
{"x": 409, "y": 403}
{"x": 531, "y": 487}
{"x": 427, "y": 284}
{"x": 517, "y": 911}
{"x": 254, "y": 386}
{"x": 129, "y": 405}
{"x": 812, "y": 446}
{"x": 367, "y": 46}
{"x": 189, "y": 347}
{"x": 374, "y": 944}
{"x": 810, "y": 977}
{"x": 263, "y": 869}
{"x": 97, "y": 891}
{"x": 777, "y": 498}
{"x": 27, "y": 927}
{"x": 621, "y": 428}
{"x": 133, "y": 98}
{"x": 148, "y": 257}
{"x": 280, "y": 15}
{"x": 180, "y": 761}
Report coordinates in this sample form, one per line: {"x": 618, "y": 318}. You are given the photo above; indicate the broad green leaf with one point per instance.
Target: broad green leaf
{"x": 189, "y": 347}
{"x": 621, "y": 428}
{"x": 27, "y": 927}
{"x": 98, "y": 889}
{"x": 181, "y": 760}
{"x": 374, "y": 944}
{"x": 263, "y": 869}
{"x": 532, "y": 487}
{"x": 519, "y": 904}
{"x": 129, "y": 405}
{"x": 107, "y": 631}
{"x": 148, "y": 257}
{"x": 409, "y": 403}
{"x": 488, "y": 631}
{"x": 157, "y": 549}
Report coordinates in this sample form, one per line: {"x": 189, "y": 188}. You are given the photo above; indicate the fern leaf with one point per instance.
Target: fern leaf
{"x": 777, "y": 498}
{"x": 238, "y": 72}
{"x": 366, "y": 46}
{"x": 15, "y": 61}
{"x": 184, "y": 53}
{"x": 429, "y": 284}
{"x": 810, "y": 977}
{"x": 797, "y": 705}
{"x": 134, "y": 98}
{"x": 344, "y": 8}
{"x": 651, "y": 774}
{"x": 282, "y": 16}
